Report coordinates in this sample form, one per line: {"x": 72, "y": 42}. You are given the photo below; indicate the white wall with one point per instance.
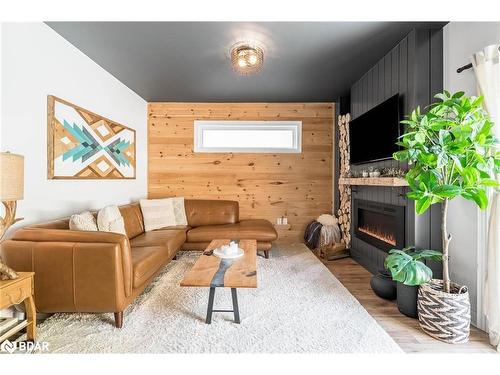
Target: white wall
{"x": 461, "y": 40}
{"x": 36, "y": 62}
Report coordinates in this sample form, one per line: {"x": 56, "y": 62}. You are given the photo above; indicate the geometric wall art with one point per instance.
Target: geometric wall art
{"x": 84, "y": 145}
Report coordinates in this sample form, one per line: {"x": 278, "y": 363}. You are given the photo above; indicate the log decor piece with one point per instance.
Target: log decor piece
{"x": 344, "y": 212}
{"x": 333, "y": 252}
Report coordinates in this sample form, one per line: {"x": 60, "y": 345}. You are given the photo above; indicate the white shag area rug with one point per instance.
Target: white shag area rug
{"x": 299, "y": 306}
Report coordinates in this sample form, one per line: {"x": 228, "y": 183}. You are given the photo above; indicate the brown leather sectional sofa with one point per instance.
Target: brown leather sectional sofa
{"x": 77, "y": 271}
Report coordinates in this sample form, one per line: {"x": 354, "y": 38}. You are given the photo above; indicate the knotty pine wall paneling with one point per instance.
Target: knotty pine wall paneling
{"x": 268, "y": 186}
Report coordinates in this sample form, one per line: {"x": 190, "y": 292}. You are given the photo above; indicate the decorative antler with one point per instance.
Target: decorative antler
{"x": 5, "y": 222}
{"x": 10, "y": 217}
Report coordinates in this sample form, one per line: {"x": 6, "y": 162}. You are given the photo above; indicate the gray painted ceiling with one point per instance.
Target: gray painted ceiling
{"x": 189, "y": 61}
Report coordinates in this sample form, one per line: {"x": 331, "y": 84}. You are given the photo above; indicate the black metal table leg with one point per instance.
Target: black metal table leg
{"x": 235, "y": 306}
{"x": 210, "y": 307}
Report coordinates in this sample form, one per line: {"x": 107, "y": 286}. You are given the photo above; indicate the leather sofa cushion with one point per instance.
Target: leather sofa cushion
{"x": 257, "y": 229}
{"x": 132, "y": 216}
{"x": 211, "y": 212}
{"x": 146, "y": 261}
{"x": 172, "y": 239}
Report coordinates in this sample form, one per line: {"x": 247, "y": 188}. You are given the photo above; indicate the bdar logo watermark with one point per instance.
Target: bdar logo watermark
{"x": 24, "y": 346}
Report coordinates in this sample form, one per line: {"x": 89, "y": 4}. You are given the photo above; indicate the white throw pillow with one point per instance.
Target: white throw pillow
{"x": 109, "y": 219}
{"x": 83, "y": 221}
{"x": 161, "y": 213}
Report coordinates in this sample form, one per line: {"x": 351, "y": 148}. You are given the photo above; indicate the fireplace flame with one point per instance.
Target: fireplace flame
{"x": 377, "y": 233}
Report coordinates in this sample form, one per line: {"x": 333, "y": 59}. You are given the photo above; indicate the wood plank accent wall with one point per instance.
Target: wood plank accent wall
{"x": 268, "y": 186}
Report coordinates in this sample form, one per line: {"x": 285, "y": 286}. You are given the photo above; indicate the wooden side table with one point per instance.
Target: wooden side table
{"x": 13, "y": 292}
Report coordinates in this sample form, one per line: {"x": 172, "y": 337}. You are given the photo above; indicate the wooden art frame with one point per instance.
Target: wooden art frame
{"x": 84, "y": 145}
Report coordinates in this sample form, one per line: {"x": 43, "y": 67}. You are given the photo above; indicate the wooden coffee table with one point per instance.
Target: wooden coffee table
{"x": 213, "y": 272}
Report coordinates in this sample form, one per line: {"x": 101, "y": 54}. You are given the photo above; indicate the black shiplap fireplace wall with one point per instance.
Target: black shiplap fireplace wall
{"x": 414, "y": 69}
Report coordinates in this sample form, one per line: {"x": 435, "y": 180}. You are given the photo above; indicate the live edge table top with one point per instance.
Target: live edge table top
{"x": 211, "y": 271}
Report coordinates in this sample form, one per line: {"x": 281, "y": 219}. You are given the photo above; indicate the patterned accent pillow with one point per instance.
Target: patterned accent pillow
{"x": 162, "y": 213}
{"x": 179, "y": 211}
{"x": 157, "y": 213}
{"x": 84, "y": 221}
{"x": 109, "y": 219}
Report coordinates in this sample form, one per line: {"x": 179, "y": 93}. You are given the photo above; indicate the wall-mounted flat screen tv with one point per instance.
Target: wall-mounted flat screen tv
{"x": 374, "y": 134}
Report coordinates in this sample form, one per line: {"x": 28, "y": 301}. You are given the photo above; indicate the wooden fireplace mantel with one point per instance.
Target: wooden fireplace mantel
{"x": 373, "y": 181}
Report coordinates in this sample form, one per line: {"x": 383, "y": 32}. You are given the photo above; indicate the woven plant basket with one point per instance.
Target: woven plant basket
{"x": 444, "y": 316}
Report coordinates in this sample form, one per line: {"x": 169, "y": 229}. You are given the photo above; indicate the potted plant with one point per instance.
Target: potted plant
{"x": 450, "y": 149}
{"x": 408, "y": 269}
{"x": 383, "y": 285}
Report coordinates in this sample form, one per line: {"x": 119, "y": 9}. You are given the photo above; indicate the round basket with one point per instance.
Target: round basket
{"x": 444, "y": 316}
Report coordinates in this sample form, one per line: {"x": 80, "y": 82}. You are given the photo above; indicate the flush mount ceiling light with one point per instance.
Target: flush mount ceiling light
{"x": 247, "y": 58}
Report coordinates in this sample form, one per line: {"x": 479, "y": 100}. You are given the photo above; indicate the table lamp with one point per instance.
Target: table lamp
{"x": 11, "y": 190}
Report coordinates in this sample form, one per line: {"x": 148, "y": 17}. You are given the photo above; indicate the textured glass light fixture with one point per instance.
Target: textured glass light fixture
{"x": 247, "y": 58}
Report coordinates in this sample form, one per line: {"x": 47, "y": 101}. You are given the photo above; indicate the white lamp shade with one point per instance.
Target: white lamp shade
{"x": 11, "y": 176}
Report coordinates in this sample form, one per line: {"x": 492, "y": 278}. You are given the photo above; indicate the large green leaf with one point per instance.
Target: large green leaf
{"x": 447, "y": 191}
{"x": 423, "y": 204}
{"x": 458, "y": 95}
{"x": 490, "y": 182}
{"x": 420, "y": 136}
{"x": 406, "y": 267}
{"x": 427, "y": 254}
{"x": 470, "y": 176}
{"x": 400, "y": 155}
{"x": 477, "y": 195}
{"x": 415, "y": 195}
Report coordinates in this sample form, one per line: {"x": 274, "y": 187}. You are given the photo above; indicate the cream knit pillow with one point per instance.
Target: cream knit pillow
{"x": 161, "y": 213}
{"x": 83, "y": 221}
{"x": 109, "y": 219}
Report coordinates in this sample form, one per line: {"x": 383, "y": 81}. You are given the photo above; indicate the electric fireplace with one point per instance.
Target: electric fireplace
{"x": 380, "y": 224}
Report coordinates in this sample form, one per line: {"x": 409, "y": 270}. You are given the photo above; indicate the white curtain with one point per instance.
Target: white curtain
{"x": 487, "y": 70}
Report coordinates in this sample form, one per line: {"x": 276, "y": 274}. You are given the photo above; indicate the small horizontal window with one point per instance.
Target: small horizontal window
{"x": 248, "y": 136}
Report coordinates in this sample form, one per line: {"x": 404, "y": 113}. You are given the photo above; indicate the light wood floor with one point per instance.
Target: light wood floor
{"x": 405, "y": 331}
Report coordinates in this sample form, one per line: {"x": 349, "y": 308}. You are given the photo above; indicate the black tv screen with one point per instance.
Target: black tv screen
{"x": 374, "y": 134}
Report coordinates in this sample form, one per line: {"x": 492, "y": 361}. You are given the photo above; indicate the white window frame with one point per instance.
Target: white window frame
{"x": 201, "y": 125}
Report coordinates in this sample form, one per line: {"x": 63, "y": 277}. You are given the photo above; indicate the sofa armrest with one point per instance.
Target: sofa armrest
{"x": 74, "y": 270}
